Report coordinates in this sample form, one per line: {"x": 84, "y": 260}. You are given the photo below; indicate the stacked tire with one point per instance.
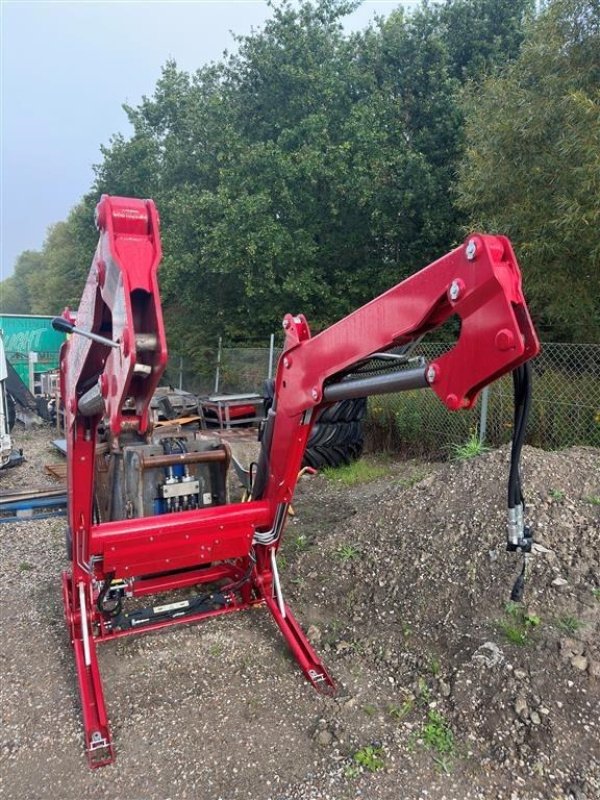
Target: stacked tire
{"x": 11, "y": 411}
{"x": 337, "y": 435}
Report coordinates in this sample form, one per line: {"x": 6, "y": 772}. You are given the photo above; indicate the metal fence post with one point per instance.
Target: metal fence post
{"x": 180, "y": 373}
{"x": 483, "y": 414}
{"x": 271, "y": 353}
{"x": 218, "y": 370}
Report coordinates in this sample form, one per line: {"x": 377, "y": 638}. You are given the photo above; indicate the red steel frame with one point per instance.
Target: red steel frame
{"x": 480, "y": 282}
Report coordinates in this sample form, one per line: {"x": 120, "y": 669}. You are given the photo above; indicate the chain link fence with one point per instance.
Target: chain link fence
{"x": 565, "y": 408}
{"x": 225, "y": 371}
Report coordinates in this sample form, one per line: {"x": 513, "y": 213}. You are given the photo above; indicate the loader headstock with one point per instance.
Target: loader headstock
{"x": 114, "y": 370}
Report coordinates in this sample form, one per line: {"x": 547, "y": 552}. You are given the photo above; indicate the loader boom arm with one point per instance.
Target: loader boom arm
{"x": 479, "y": 282}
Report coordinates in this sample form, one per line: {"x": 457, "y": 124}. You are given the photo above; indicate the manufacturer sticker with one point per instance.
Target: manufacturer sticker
{"x": 170, "y": 607}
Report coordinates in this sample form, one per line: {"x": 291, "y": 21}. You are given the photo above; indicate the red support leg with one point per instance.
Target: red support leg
{"x": 99, "y": 746}
{"x": 310, "y": 664}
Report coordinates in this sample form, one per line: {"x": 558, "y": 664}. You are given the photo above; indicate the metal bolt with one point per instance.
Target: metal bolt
{"x": 431, "y": 374}
{"x": 286, "y": 324}
{"x": 315, "y": 394}
{"x": 454, "y": 290}
{"x": 286, "y": 362}
{"x": 471, "y": 250}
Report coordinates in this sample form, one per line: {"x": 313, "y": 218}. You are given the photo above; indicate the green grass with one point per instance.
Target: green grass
{"x": 594, "y": 499}
{"x": 301, "y": 543}
{"x": 399, "y": 712}
{"x": 423, "y": 693}
{"x": 346, "y": 552}
{"x": 531, "y": 620}
{"x": 518, "y": 625}
{"x": 557, "y": 494}
{"x": 569, "y": 624}
{"x": 358, "y": 472}
{"x": 469, "y": 449}
{"x": 444, "y": 764}
{"x": 370, "y": 758}
{"x": 437, "y": 734}
{"x": 514, "y": 633}
{"x": 596, "y": 593}
{"x": 25, "y": 566}
{"x": 282, "y": 562}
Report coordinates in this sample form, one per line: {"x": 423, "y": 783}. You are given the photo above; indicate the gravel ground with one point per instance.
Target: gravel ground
{"x": 444, "y": 691}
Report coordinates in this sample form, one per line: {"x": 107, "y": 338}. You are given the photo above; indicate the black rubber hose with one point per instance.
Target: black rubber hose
{"x": 522, "y": 391}
{"x": 100, "y": 602}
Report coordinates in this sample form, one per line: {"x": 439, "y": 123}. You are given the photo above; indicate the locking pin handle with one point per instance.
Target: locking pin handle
{"x": 64, "y": 326}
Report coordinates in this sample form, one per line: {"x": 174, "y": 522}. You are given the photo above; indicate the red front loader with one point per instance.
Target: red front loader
{"x": 148, "y": 513}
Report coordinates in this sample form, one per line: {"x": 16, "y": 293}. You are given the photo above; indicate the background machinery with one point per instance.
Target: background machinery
{"x": 7, "y": 412}
{"x": 148, "y": 510}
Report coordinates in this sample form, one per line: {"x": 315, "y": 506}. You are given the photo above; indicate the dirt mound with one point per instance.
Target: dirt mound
{"x": 417, "y": 584}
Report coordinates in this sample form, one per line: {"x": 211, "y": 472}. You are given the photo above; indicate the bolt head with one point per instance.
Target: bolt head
{"x": 315, "y": 394}
{"x": 471, "y": 250}
{"x": 286, "y": 324}
{"x": 454, "y": 290}
{"x": 431, "y": 374}
{"x": 504, "y": 339}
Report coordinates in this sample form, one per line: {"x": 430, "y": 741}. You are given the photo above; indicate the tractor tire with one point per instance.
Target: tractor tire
{"x": 337, "y": 434}
{"x": 11, "y": 411}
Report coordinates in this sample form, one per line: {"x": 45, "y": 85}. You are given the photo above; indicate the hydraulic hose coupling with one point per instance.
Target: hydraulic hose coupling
{"x": 518, "y": 534}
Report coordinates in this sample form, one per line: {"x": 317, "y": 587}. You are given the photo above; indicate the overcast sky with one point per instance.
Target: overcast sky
{"x": 66, "y": 69}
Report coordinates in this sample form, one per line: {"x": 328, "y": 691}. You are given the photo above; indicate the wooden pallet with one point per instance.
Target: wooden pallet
{"x": 57, "y": 470}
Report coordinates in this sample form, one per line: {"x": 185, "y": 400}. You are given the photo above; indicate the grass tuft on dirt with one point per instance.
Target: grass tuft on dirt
{"x": 363, "y": 471}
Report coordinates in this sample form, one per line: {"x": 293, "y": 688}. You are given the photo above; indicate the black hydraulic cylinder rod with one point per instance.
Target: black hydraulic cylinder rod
{"x": 376, "y": 384}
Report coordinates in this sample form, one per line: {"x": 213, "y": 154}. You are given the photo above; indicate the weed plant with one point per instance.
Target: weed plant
{"x": 358, "y": 472}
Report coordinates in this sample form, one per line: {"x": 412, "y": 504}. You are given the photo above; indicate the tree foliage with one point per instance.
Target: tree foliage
{"x": 532, "y": 165}
{"x": 15, "y": 290}
{"x": 306, "y": 172}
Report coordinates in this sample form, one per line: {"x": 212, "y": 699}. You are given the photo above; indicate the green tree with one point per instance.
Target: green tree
{"x": 532, "y": 166}
{"x": 66, "y": 257}
{"x": 307, "y": 172}
{"x": 481, "y": 35}
{"x": 14, "y": 291}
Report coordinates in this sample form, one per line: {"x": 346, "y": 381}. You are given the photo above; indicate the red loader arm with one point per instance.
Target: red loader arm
{"x": 479, "y": 282}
